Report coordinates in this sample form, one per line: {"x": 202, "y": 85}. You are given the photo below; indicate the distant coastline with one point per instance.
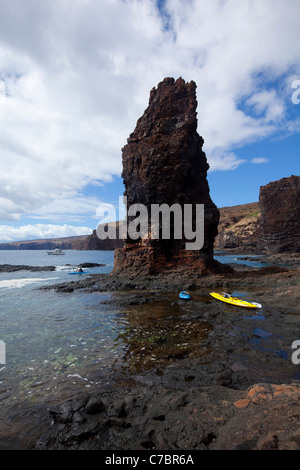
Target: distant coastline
{"x": 65, "y": 243}
{"x": 79, "y": 242}
{"x": 228, "y": 234}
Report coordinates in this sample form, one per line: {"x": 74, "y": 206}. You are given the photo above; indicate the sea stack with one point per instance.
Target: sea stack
{"x": 280, "y": 215}
{"x": 163, "y": 163}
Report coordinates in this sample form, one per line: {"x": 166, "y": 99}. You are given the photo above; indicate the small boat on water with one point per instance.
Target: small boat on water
{"x": 57, "y": 251}
{"x": 234, "y": 300}
{"x": 185, "y": 295}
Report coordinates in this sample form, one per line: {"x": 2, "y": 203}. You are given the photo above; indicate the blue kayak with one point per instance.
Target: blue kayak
{"x": 79, "y": 272}
{"x": 185, "y": 295}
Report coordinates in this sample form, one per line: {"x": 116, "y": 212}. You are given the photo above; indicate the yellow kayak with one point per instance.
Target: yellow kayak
{"x": 234, "y": 300}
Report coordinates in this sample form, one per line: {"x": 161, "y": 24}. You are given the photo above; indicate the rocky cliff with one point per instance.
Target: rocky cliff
{"x": 93, "y": 242}
{"x": 163, "y": 163}
{"x": 64, "y": 243}
{"x": 239, "y": 228}
{"x": 271, "y": 225}
{"x": 83, "y": 242}
{"x": 280, "y": 215}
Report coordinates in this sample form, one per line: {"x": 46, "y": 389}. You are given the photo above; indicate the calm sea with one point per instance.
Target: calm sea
{"x": 49, "y": 337}
{"x": 60, "y": 344}
{"x": 57, "y": 331}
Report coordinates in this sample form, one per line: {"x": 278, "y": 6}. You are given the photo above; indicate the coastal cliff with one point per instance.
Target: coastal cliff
{"x": 239, "y": 228}
{"x": 280, "y": 215}
{"x": 271, "y": 225}
{"x": 83, "y": 242}
{"x": 64, "y": 243}
{"x": 93, "y": 242}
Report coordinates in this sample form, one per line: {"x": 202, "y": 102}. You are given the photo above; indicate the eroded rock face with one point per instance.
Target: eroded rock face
{"x": 239, "y": 228}
{"x": 163, "y": 163}
{"x": 93, "y": 242}
{"x": 280, "y": 215}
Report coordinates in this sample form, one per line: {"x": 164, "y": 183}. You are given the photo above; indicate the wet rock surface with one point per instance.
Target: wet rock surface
{"x": 90, "y": 265}
{"x": 230, "y": 385}
{"x": 10, "y": 268}
{"x": 277, "y": 283}
{"x": 262, "y": 417}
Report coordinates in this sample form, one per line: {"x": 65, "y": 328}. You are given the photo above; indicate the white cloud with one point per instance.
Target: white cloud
{"x": 68, "y": 209}
{"x": 224, "y": 161}
{"x": 75, "y": 77}
{"x": 259, "y": 160}
{"x": 40, "y": 231}
{"x": 269, "y": 104}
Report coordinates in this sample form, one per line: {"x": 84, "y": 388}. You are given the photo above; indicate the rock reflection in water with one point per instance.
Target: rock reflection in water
{"x": 160, "y": 332}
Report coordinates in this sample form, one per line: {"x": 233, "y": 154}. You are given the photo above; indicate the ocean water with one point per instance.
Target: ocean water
{"x": 233, "y": 258}
{"x": 58, "y": 345}
{"x": 46, "y": 333}
{"x": 49, "y": 337}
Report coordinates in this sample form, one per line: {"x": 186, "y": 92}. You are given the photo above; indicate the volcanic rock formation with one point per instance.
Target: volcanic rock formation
{"x": 163, "y": 163}
{"x": 93, "y": 242}
{"x": 239, "y": 228}
{"x": 280, "y": 215}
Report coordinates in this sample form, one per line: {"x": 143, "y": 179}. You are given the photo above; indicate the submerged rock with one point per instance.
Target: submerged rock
{"x": 10, "y": 268}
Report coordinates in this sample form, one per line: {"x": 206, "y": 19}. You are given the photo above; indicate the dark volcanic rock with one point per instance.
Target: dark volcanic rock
{"x": 163, "y": 163}
{"x": 93, "y": 242}
{"x": 205, "y": 418}
{"x": 90, "y": 265}
{"x": 234, "y": 386}
{"x": 280, "y": 215}
{"x": 10, "y": 268}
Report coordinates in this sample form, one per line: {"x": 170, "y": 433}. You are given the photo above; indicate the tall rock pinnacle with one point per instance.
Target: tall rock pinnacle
{"x": 163, "y": 163}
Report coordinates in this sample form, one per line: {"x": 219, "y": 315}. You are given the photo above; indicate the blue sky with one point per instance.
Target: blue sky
{"x": 76, "y": 75}
{"x": 242, "y": 185}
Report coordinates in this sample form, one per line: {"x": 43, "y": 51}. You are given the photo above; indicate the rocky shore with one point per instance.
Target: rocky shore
{"x": 236, "y": 388}
{"x": 10, "y": 268}
{"x": 202, "y": 374}
{"x": 270, "y": 280}
{"x": 262, "y": 417}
